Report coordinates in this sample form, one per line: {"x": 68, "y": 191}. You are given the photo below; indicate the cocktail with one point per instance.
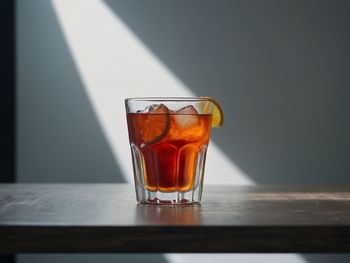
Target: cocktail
{"x": 169, "y": 139}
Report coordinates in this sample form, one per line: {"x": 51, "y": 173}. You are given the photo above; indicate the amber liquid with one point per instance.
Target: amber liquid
{"x": 169, "y": 162}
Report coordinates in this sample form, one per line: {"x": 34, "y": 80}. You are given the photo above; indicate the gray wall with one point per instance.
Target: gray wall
{"x": 281, "y": 70}
{"x": 59, "y": 138}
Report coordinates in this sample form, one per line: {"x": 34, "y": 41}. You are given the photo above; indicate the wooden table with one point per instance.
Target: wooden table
{"x": 44, "y": 218}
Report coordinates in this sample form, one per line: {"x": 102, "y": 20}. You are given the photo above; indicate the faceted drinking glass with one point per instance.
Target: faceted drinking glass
{"x": 169, "y": 139}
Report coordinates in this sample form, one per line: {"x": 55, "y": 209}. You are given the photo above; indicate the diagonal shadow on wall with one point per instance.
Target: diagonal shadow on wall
{"x": 59, "y": 137}
{"x": 280, "y": 70}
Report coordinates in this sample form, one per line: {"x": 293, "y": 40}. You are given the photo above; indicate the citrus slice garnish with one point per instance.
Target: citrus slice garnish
{"x": 155, "y": 125}
{"x": 218, "y": 114}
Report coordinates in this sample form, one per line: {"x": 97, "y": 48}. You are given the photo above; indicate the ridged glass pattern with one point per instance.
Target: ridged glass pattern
{"x": 169, "y": 174}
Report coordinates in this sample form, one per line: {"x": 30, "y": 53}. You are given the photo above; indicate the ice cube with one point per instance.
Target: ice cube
{"x": 186, "y": 117}
{"x": 187, "y": 110}
{"x": 149, "y": 108}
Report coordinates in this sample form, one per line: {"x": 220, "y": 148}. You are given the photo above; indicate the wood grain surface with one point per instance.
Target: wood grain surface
{"x": 72, "y": 218}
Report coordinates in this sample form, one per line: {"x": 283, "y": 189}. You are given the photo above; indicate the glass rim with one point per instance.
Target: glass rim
{"x": 175, "y": 99}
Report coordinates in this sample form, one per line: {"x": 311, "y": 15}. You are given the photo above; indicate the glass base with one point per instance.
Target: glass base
{"x": 169, "y": 198}
{"x": 158, "y": 177}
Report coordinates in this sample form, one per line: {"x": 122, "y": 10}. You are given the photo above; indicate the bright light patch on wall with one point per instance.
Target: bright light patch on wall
{"x": 114, "y": 64}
